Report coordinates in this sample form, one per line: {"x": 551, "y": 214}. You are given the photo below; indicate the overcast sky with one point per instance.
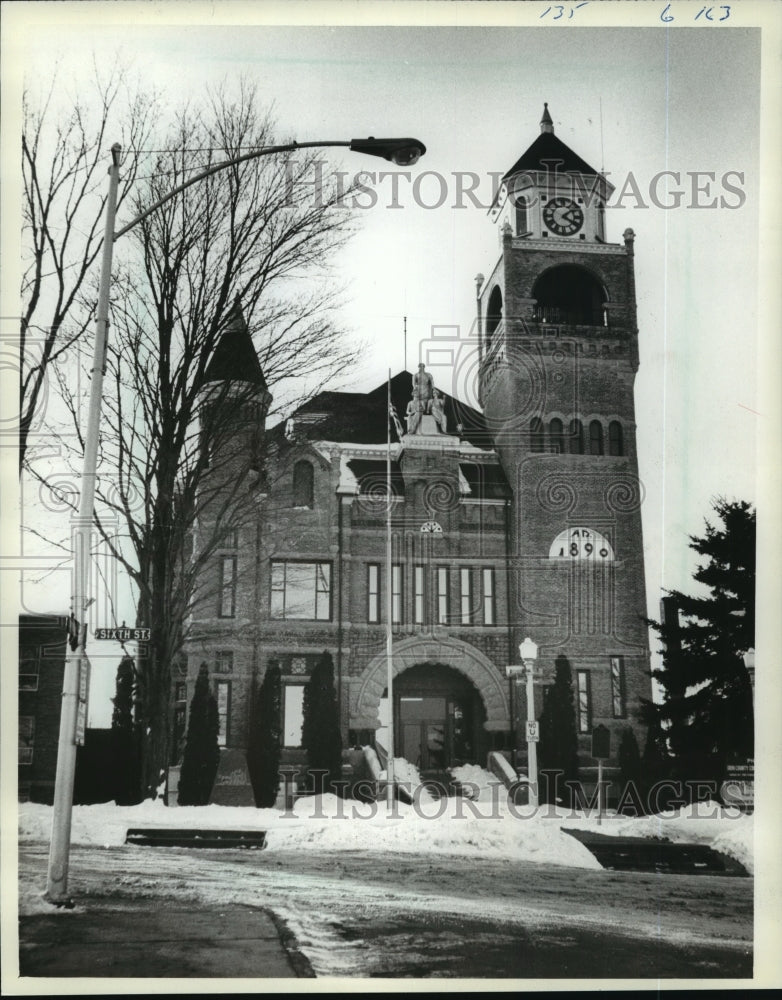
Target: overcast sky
{"x": 636, "y": 101}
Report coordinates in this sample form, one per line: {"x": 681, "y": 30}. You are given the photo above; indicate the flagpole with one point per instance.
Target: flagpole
{"x": 389, "y": 614}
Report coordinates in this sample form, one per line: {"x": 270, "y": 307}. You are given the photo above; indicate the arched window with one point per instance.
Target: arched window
{"x": 522, "y": 223}
{"x": 615, "y": 438}
{"x": 595, "y": 438}
{"x": 493, "y": 313}
{"x": 576, "y": 441}
{"x": 536, "y": 434}
{"x": 302, "y": 484}
{"x": 556, "y": 436}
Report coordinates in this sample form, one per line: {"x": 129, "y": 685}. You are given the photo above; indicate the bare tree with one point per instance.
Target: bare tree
{"x": 184, "y": 450}
{"x": 64, "y": 171}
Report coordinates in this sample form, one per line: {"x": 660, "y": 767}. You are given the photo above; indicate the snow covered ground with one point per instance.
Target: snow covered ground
{"x": 483, "y": 824}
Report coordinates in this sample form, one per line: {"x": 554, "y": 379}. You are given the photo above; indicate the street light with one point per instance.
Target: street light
{"x": 528, "y": 650}
{"x": 403, "y": 152}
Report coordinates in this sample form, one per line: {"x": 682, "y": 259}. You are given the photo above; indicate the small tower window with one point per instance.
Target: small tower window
{"x": 576, "y": 437}
{"x": 615, "y": 438}
{"x": 493, "y": 313}
{"x": 536, "y": 434}
{"x": 595, "y": 438}
{"x": 556, "y": 434}
{"x": 522, "y": 220}
{"x": 302, "y": 484}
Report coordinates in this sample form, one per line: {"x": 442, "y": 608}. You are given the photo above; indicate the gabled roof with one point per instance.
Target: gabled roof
{"x": 545, "y": 149}
{"x": 361, "y": 418}
{"x": 235, "y": 358}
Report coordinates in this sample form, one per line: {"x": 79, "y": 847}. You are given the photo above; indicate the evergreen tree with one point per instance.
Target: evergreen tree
{"x": 202, "y": 752}
{"x": 707, "y": 712}
{"x": 264, "y": 745}
{"x": 124, "y": 738}
{"x": 558, "y": 746}
{"x": 320, "y": 734}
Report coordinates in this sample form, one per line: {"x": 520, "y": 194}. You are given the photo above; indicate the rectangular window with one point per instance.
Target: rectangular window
{"x": 293, "y": 714}
{"x": 224, "y": 661}
{"x": 420, "y": 595}
{"x": 443, "y": 595}
{"x": 618, "y": 687}
{"x": 465, "y": 578}
{"x": 223, "y": 696}
{"x": 373, "y": 593}
{"x": 28, "y": 669}
{"x": 488, "y": 597}
{"x": 396, "y": 595}
{"x": 227, "y": 586}
{"x": 584, "y": 701}
{"x": 180, "y": 691}
{"x": 26, "y": 738}
{"x": 301, "y": 590}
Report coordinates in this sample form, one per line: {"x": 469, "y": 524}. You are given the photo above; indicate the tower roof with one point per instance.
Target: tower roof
{"x": 234, "y": 358}
{"x": 547, "y": 148}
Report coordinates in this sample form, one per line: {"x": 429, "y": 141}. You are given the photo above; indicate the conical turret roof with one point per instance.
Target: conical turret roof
{"x": 235, "y": 358}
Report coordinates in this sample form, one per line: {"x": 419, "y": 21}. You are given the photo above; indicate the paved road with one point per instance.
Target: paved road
{"x": 410, "y": 915}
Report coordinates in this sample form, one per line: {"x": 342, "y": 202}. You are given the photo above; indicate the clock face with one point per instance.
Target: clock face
{"x": 563, "y": 216}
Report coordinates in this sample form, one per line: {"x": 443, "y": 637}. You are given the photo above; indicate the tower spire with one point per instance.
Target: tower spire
{"x": 546, "y": 124}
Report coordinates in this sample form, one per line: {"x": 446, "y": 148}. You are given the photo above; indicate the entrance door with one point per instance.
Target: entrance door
{"x": 424, "y": 731}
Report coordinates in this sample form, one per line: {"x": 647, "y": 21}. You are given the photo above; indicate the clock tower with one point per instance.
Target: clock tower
{"x": 558, "y": 358}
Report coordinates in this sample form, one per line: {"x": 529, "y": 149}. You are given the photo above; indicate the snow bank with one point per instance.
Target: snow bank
{"x": 449, "y": 826}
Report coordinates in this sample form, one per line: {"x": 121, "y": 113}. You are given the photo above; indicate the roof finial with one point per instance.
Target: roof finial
{"x": 546, "y": 124}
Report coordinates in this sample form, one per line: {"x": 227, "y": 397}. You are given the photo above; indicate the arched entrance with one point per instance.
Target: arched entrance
{"x": 464, "y": 665}
{"x": 438, "y": 718}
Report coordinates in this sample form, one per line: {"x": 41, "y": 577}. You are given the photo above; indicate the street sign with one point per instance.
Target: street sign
{"x": 533, "y": 732}
{"x": 601, "y": 742}
{"x": 124, "y": 634}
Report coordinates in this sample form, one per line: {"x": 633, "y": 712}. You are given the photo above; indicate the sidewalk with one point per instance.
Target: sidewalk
{"x": 159, "y": 938}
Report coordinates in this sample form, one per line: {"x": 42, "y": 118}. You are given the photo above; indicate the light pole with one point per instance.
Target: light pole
{"x": 528, "y": 650}
{"x": 403, "y": 152}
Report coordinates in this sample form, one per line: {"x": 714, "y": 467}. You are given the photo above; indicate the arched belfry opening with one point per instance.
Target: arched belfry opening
{"x": 570, "y": 295}
{"x": 493, "y": 313}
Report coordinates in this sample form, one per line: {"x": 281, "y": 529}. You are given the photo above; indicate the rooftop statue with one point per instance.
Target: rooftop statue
{"x": 425, "y": 412}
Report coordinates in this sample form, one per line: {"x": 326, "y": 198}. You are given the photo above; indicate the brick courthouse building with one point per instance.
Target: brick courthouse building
{"x": 520, "y": 520}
